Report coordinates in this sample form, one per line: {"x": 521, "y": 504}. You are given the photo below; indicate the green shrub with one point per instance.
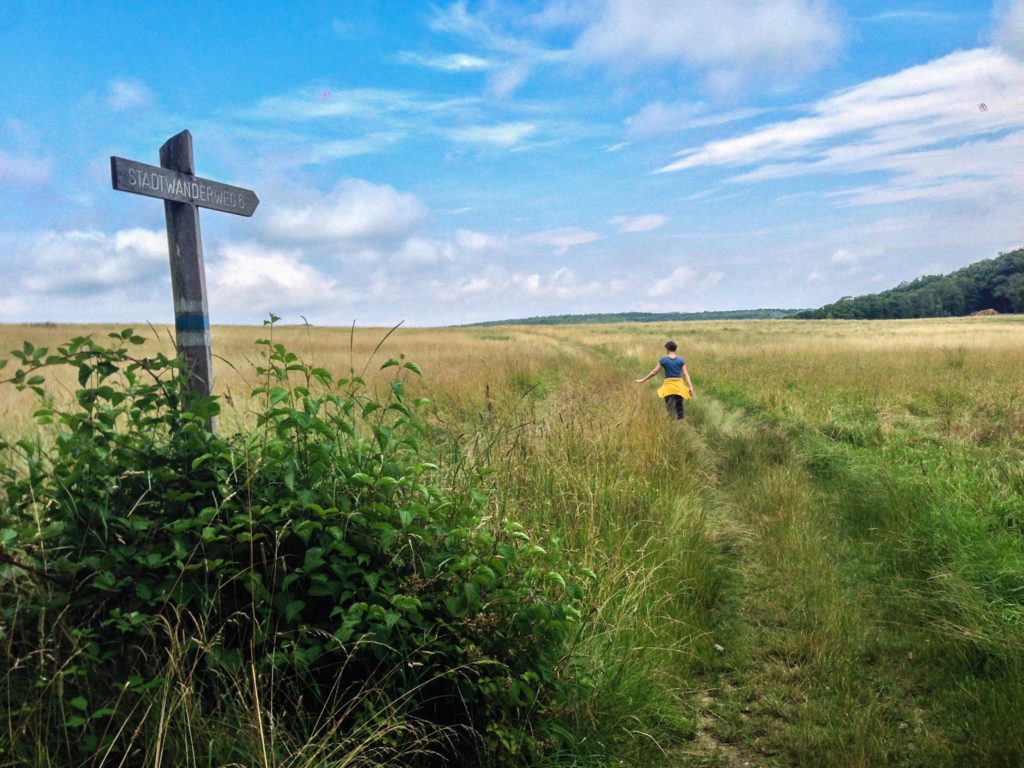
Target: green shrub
{"x": 312, "y": 558}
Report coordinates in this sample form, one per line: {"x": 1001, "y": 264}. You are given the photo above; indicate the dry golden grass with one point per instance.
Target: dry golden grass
{"x": 457, "y": 363}
{"x": 959, "y": 376}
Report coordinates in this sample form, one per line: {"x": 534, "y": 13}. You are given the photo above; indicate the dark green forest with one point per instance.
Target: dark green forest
{"x": 990, "y": 284}
{"x": 646, "y": 317}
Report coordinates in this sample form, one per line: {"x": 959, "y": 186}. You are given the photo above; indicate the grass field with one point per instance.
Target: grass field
{"x": 823, "y": 565}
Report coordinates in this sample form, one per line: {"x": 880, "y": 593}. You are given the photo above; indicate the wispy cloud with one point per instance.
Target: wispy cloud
{"x": 561, "y": 239}
{"x": 644, "y": 223}
{"x": 912, "y": 15}
{"x": 316, "y": 125}
{"x": 731, "y": 42}
{"x": 326, "y": 151}
{"x": 450, "y": 62}
{"x": 976, "y": 170}
{"x": 24, "y": 169}
{"x": 128, "y": 93}
{"x": 561, "y": 14}
{"x": 23, "y": 159}
{"x": 911, "y": 125}
{"x": 501, "y": 134}
{"x": 513, "y": 56}
{"x": 659, "y": 118}
{"x": 327, "y": 103}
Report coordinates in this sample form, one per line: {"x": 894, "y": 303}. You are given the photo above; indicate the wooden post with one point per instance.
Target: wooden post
{"x": 188, "y": 276}
{"x": 175, "y": 182}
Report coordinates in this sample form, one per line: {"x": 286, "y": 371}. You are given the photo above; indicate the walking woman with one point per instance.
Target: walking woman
{"x": 673, "y": 389}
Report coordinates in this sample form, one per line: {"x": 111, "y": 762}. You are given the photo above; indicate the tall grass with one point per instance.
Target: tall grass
{"x": 585, "y": 462}
{"x": 821, "y": 566}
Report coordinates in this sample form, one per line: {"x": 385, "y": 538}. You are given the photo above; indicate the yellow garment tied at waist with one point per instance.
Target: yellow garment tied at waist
{"x": 674, "y": 387}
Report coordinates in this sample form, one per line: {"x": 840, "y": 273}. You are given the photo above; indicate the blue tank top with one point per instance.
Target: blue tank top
{"x": 673, "y": 367}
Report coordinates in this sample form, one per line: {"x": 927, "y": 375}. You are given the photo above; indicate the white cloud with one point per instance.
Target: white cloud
{"x": 325, "y": 103}
{"x": 501, "y": 135}
{"x": 1008, "y": 32}
{"x": 424, "y": 251}
{"x": 558, "y": 14}
{"x": 659, "y": 118}
{"x": 975, "y": 170}
{"x": 319, "y": 152}
{"x": 911, "y": 15}
{"x": 450, "y": 62}
{"x": 844, "y": 256}
{"x": 251, "y": 278}
{"x": 355, "y": 210}
{"x": 473, "y": 285}
{"x": 322, "y": 124}
{"x": 497, "y": 282}
{"x": 12, "y": 307}
{"x": 479, "y": 242}
{"x": 730, "y": 41}
{"x": 561, "y": 239}
{"x": 150, "y": 243}
{"x": 681, "y": 277}
{"x": 934, "y": 125}
{"x": 456, "y": 19}
{"x": 684, "y": 281}
{"x": 509, "y": 78}
{"x": 644, "y": 223}
{"x": 128, "y": 93}
{"x": 77, "y": 262}
{"x": 513, "y": 56}
{"x": 920, "y": 105}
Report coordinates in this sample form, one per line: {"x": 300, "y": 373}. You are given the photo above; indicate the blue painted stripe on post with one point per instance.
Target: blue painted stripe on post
{"x": 192, "y": 323}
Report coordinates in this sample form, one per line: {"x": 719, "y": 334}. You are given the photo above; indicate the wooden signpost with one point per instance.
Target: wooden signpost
{"x": 183, "y": 193}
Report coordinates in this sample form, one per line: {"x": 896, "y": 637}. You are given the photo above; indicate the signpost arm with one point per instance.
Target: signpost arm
{"x": 188, "y": 280}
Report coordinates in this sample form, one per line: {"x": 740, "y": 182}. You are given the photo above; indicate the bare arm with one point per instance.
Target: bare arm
{"x": 654, "y": 372}
{"x": 686, "y": 375}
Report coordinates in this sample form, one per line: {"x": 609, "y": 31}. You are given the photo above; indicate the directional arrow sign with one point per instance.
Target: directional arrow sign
{"x": 153, "y": 181}
{"x": 174, "y": 181}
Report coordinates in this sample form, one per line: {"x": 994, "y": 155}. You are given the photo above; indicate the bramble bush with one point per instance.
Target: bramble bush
{"x": 312, "y": 562}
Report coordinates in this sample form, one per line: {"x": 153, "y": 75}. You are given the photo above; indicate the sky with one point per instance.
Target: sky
{"x": 452, "y": 162}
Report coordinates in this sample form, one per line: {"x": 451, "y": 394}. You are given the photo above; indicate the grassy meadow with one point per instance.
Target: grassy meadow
{"x": 823, "y": 565}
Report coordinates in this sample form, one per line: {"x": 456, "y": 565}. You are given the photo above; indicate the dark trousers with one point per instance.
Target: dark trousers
{"x": 674, "y": 404}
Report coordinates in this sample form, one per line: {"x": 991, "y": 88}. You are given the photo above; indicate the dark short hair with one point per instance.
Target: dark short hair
{"x": 670, "y": 346}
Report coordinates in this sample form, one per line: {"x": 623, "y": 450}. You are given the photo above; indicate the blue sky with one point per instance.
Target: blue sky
{"x": 448, "y": 162}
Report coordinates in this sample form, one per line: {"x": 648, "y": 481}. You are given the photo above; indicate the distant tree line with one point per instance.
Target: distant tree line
{"x": 646, "y": 317}
{"x": 991, "y": 284}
